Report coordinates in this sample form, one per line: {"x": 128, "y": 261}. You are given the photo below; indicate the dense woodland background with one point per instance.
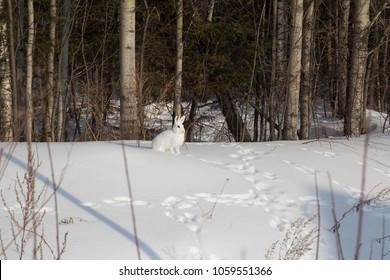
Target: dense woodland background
{"x": 68, "y": 67}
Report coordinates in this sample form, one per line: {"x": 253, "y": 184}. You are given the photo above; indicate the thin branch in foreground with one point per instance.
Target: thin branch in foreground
{"x": 296, "y": 242}
{"x": 330, "y": 141}
{"x": 55, "y": 201}
{"x": 318, "y": 216}
{"x": 336, "y": 226}
{"x": 210, "y": 213}
{"x": 32, "y": 215}
{"x": 362, "y": 193}
{"x": 375, "y": 200}
{"x": 131, "y": 201}
{"x": 383, "y": 241}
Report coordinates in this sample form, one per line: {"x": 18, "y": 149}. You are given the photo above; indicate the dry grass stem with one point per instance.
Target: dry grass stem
{"x": 296, "y": 242}
{"x": 375, "y": 200}
{"x": 133, "y": 217}
{"x": 26, "y": 218}
{"x": 210, "y": 213}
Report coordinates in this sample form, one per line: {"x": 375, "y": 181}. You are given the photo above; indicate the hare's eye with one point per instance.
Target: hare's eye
{"x": 178, "y": 126}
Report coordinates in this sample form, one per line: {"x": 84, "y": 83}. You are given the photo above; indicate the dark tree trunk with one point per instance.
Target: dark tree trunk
{"x": 233, "y": 118}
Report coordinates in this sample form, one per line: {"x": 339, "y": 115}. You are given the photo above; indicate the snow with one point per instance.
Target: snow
{"x": 213, "y": 201}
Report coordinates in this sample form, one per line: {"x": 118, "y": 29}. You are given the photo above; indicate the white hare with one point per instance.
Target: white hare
{"x": 171, "y": 139}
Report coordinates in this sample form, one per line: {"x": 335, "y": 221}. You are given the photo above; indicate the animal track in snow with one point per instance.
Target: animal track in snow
{"x": 279, "y": 224}
{"x": 173, "y": 202}
{"x": 213, "y": 162}
{"x": 124, "y": 201}
{"x": 246, "y": 199}
{"x": 243, "y": 168}
{"x": 268, "y": 175}
{"x": 188, "y": 219}
{"x": 89, "y": 204}
{"x": 305, "y": 169}
{"x": 262, "y": 186}
{"x": 302, "y": 168}
{"x": 387, "y": 173}
{"x": 308, "y": 198}
{"x": 250, "y": 199}
{"x": 241, "y": 163}
{"x": 337, "y": 183}
{"x": 326, "y": 154}
{"x": 262, "y": 195}
{"x": 245, "y": 153}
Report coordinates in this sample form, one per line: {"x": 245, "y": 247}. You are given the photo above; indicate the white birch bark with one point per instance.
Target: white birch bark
{"x": 6, "y": 117}
{"x": 50, "y": 91}
{"x": 358, "y": 67}
{"x": 179, "y": 58}
{"x": 294, "y": 72}
{"x": 211, "y": 11}
{"x": 29, "y": 71}
{"x": 129, "y": 125}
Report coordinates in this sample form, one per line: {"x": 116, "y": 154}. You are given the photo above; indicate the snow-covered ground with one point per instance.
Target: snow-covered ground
{"x": 214, "y": 201}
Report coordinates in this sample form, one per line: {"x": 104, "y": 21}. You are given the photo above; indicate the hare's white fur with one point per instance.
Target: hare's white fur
{"x": 171, "y": 139}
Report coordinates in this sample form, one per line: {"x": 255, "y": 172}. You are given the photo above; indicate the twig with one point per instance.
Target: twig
{"x": 55, "y": 200}
{"x": 335, "y": 228}
{"x": 362, "y": 191}
{"x": 131, "y": 199}
{"x": 296, "y": 242}
{"x": 318, "y": 216}
{"x": 30, "y": 213}
{"x": 211, "y": 211}
{"x": 380, "y": 196}
{"x": 328, "y": 141}
{"x": 383, "y": 238}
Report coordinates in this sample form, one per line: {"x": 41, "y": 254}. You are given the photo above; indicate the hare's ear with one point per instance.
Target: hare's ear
{"x": 182, "y": 119}
{"x": 177, "y": 119}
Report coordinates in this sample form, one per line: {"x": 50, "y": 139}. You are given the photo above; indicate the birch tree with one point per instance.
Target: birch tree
{"x": 20, "y": 106}
{"x": 343, "y": 56}
{"x": 50, "y": 91}
{"x": 6, "y": 119}
{"x": 294, "y": 72}
{"x": 281, "y": 36}
{"x": 12, "y": 63}
{"x": 179, "y": 59}
{"x": 29, "y": 72}
{"x": 129, "y": 124}
{"x": 358, "y": 68}
{"x": 278, "y": 65}
{"x": 306, "y": 82}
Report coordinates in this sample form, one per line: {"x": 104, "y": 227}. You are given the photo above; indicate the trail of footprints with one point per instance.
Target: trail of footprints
{"x": 118, "y": 201}
{"x": 190, "y": 210}
{"x": 263, "y": 194}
